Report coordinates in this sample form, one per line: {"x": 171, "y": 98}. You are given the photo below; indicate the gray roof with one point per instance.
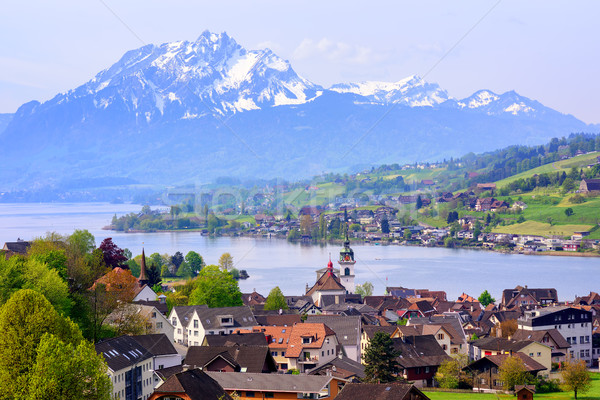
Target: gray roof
{"x": 270, "y": 382}
{"x": 338, "y": 365}
{"x": 248, "y": 339}
{"x": 347, "y": 329}
{"x": 122, "y": 352}
{"x": 157, "y": 344}
{"x": 209, "y": 317}
{"x": 453, "y": 321}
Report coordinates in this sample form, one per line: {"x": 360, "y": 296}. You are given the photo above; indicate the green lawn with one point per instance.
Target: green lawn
{"x": 593, "y": 394}
{"x": 540, "y": 228}
{"x": 563, "y": 165}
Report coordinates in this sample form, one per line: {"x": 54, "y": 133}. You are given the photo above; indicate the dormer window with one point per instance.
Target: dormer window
{"x": 226, "y": 320}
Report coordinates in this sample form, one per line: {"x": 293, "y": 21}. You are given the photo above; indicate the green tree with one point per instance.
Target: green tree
{"x": 25, "y": 318}
{"x": 380, "y": 359}
{"x": 385, "y": 225}
{"x": 226, "y": 261}
{"x": 195, "y": 261}
{"x": 177, "y": 259}
{"x": 450, "y": 373}
{"x": 215, "y": 288}
{"x": 69, "y": 372}
{"x": 407, "y": 234}
{"x": 486, "y": 298}
{"x": 276, "y": 300}
{"x": 569, "y": 211}
{"x": 419, "y": 202}
{"x": 366, "y": 289}
{"x": 512, "y": 372}
{"x": 576, "y": 377}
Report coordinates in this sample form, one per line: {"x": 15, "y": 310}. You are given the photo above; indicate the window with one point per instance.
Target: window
{"x": 530, "y": 354}
{"x": 249, "y": 394}
{"x": 174, "y": 321}
{"x": 283, "y": 355}
{"x": 159, "y": 325}
{"x": 153, "y": 314}
{"x": 323, "y": 353}
{"x": 539, "y": 353}
{"x": 587, "y": 339}
{"x": 581, "y": 353}
{"x": 426, "y": 370}
{"x": 274, "y": 353}
{"x": 179, "y": 330}
{"x": 440, "y": 336}
{"x": 269, "y": 395}
{"x": 195, "y": 323}
{"x": 587, "y": 352}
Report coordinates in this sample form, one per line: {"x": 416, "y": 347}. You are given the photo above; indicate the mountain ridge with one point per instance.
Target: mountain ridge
{"x": 231, "y": 111}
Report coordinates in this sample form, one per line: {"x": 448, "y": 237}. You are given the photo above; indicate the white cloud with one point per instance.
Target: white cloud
{"x": 339, "y": 52}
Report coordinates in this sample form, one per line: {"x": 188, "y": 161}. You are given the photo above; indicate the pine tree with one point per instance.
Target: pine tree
{"x": 380, "y": 359}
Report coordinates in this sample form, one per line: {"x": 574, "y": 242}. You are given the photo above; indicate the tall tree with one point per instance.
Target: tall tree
{"x": 385, "y": 225}
{"x": 68, "y": 371}
{"x": 226, "y": 261}
{"x": 486, "y": 298}
{"x": 419, "y": 202}
{"x": 215, "y": 288}
{"x": 24, "y": 320}
{"x": 195, "y": 261}
{"x": 450, "y": 372}
{"x": 113, "y": 254}
{"x": 380, "y": 359}
{"x": 576, "y": 377}
{"x": 276, "y": 300}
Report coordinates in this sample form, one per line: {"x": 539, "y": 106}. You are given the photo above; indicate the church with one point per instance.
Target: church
{"x": 332, "y": 281}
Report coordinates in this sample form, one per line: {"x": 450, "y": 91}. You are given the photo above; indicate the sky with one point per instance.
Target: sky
{"x": 545, "y": 50}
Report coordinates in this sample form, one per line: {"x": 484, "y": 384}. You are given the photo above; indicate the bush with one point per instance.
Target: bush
{"x": 577, "y": 199}
{"x": 547, "y": 386}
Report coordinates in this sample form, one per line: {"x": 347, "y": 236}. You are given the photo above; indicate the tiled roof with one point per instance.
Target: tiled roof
{"x": 210, "y": 317}
{"x": 270, "y": 382}
{"x": 281, "y": 320}
{"x": 157, "y": 344}
{"x": 419, "y": 351}
{"x": 318, "y": 331}
{"x": 530, "y": 364}
{"x": 344, "y": 368}
{"x": 248, "y": 339}
{"x": 253, "y": 358}
{"x": 347, "y": 329}
{"x": 122, "y": 352}
{"x": 380, "y": 391}
{"x": 327, "y": 281}
{"x": 196, "y": 384}
{"x": 370, "y": 330}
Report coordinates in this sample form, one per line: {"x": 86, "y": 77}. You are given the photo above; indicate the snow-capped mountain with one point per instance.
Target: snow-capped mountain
{"x": 183, "y": 111}
{"x": 412, "y": 91}
{"x": 188, "y": 79}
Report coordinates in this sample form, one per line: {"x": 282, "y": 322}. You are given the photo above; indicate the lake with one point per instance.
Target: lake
{"x": 291, "y": 266}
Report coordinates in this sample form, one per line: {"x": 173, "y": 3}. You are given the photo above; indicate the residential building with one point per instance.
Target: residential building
{"x": 190, "y": 384}
{"x": 347, "y": 330}
{"x": 486, "y": 374}
{"x": 381, "y": 391}
{"x": 573, "y": 324}
{"x": 192, "y": 323}
{"x": 302, "y": 346}
{"x": 493, "y": 346}
{"x": 130, "y": 368}
{"x": 278, "y": 386}
{"x": 341, "y": 367}
{"x": 524, "y": 296}
{"x": 551, "y": 338}
{"x": 420, "y": 357}
{"x": 238, "y": 358}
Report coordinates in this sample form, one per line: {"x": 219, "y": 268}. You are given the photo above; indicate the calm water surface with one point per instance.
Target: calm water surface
{"x": 275, "y": 262}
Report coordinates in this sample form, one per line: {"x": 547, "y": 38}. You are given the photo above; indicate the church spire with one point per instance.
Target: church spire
{"x": 143, "y": 279}
{"x": 330, "y": 266}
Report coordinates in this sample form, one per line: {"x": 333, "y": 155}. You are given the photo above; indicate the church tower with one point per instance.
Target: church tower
{"x": 347, "y": 262}
{"x": 143, "y": 279}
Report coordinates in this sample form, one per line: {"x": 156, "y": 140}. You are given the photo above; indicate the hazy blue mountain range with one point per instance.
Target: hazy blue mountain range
{"x": 191, "y": 111}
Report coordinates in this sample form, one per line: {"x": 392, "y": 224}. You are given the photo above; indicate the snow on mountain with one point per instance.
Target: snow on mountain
{"x": 506, "y": 103}
{"x": 187, "y": 79}
{"x": 412, "y": 91}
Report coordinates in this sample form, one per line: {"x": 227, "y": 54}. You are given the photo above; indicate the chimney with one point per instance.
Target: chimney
{"x": 185, "y": 367}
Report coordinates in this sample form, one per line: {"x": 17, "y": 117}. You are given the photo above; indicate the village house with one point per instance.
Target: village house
{"x": 589, "y": 185}
{"x": 486, "y": 369}
{"x": 420, "y": 357}
{"x": 189, "y": 384}
{"x": 131, "y": 364}
{"x": 13, "y": 248}
{"x": 492, "y": 346}
{"x": 381, "y": 391}
{"x": 573, "y": 324}
{"x": 250, "y": 386}
{"x": 192, "y": 323}
{"x": 347, "y": 330}
{"x": 551, "y": 338}
{"x": 524, "y": 296}
{"x": 232, "y": 358}
{"x": 341, "y": 367}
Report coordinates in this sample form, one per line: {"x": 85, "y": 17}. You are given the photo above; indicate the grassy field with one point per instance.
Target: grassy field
{"x": 558, "y": 166}
{"x": 540, "y": 228}
{"x": 593, "y": 394}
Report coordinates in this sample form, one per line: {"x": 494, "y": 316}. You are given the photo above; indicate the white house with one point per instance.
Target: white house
{"x": 192, "y": 323}
{"x": 573, "y": 324}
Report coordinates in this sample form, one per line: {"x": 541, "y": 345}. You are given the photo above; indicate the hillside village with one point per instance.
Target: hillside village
{"x": 313, "y": 346}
